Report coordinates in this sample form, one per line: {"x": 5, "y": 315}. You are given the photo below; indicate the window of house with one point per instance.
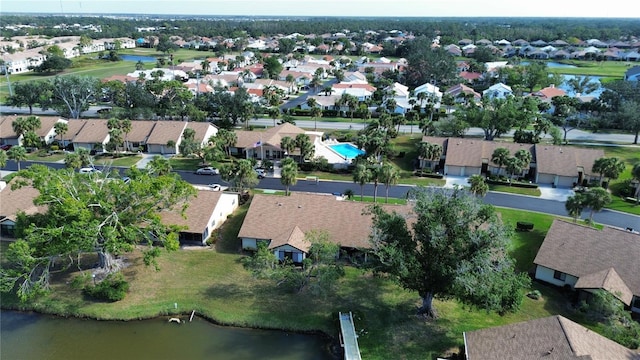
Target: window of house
{"x": 559, "y": 275}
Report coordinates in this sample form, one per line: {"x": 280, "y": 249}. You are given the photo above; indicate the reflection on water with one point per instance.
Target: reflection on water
{"x": 33, "y": 336}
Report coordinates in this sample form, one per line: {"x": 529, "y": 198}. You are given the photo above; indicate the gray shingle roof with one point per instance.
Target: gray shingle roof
{"x": 554, "y": 337}
{"x": 583, "y": 251}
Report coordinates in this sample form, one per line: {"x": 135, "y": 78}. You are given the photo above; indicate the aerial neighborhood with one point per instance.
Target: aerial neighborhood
{"x": 442, "y": 192}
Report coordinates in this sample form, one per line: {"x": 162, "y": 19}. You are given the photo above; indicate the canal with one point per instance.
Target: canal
{"x": 43, "y": 337}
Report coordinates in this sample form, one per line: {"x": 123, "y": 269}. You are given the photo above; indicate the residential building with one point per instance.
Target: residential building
{"x": 554, "y": 337}
{"x": 585, "y": 259}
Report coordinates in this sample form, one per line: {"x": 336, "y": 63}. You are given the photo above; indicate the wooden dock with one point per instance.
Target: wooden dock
{"x": 348, "y": 337}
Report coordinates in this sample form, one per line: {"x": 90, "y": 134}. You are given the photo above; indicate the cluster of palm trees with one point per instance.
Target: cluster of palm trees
{"x": 515, "y": 164}
{"x": 379, "y": 173}
{"x": 594, "y": 199}
{"x": 301, "y": 142}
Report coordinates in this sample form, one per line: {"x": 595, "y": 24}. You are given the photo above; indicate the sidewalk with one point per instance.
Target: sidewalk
{"x": 148, "y": 157}
{"x": 547, "y": 192}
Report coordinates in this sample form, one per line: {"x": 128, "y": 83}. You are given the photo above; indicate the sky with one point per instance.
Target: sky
{"x": 388, "y": 8}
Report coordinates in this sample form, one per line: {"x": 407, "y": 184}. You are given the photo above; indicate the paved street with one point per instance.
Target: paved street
{"x": 548, "y": 206}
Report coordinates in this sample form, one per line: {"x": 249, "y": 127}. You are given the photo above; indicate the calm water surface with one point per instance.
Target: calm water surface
{"x": 32, "y": 336}
{"x": 137, "y": 58}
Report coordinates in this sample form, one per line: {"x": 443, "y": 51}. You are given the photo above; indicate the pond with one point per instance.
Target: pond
{"x": 35, "y": 336}
{"x": 553, "y": 64}
{"x": 136, "y": 58}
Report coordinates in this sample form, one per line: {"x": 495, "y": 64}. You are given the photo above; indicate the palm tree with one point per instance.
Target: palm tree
{"x": 287, "y": 144}
{"x": 582, "y": 85}
{"x": 361, "y": 175}
{"x": 374, "y": 176}
{"x": 206, "y": 66}
{"x": 3, "y": 158}
{"x": 316, "y": 112}
{"x": 159, "y": 166}
{"x": 596, "y": 199}
{"x": 525, "y": 158}
{"x": 17, "y": 154}
{"x": 61, "y": 128}
{"x": 389, "y": 175}
{"x": 614, "y": 167}
{"x": 274, "y": 113}
{"x": 429, "y": 151}
{"x": 635, "y": 174}
{"x": 289, "y": 173}
{"x": 126, "y": 126}
{"x": 226, "y": 139}
{"x": 479, "y": 186}
{"x": 303, "y": 142}
{"x": 574, "y": 205}
{"x": 500, "y": 157}
{"x": 599, "y": 167}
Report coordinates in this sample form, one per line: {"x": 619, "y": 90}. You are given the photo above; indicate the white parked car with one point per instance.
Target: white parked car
{"x": 217, "y": 187}
{"x": 261, "y": 173}
{"x": 208, "y": 171}
{"x": 89, "y": 170}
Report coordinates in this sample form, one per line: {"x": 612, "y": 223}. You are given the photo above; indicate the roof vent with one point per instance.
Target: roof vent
{"x": 299, "y": 206}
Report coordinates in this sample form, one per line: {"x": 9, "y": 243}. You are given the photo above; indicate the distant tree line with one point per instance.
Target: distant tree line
{"x": 451, "y": 29}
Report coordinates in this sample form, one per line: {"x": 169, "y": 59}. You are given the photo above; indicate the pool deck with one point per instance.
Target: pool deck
{"x": 322, "y": 149}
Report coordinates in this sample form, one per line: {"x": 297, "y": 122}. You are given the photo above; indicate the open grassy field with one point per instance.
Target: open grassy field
{"x": 609, "y": 70}
{"x": 213, "y": 282}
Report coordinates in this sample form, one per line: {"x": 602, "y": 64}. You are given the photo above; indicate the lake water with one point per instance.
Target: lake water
{"x": 136, "y": 58}
{"x": 553, "y": 64}
{"x": 34, "y": 336}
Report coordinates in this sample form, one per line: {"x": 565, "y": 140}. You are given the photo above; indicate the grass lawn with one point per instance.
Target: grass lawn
{"x": 380, "y": 199}
{"x": 34, "y": 156}
{"x": 212, "y": 281}
{"x": 515, "y": 190}
{"x": 122, "y": 160}
{"x": 180, "y": 163}
{"x": 608, "y": 69}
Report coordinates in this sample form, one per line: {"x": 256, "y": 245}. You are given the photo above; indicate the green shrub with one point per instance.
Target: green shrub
{"x": 524, "y": 226}
{"x": 113, "y": 288}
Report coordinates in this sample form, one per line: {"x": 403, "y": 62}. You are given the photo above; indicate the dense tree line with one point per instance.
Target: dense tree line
{"x": 452, "y": 29}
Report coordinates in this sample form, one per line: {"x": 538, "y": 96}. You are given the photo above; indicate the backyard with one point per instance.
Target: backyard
{"x": 384, "y": 312}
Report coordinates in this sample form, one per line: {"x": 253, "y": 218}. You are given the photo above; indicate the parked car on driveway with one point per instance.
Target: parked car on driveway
{"x": 89, "y": 170}
{"x": 217, "y": 187}
{"x": 261, "y": 173}
{"x": 208, "y": 171}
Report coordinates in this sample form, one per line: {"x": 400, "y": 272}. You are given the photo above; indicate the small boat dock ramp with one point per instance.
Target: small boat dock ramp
{"x": 348, "y": 337}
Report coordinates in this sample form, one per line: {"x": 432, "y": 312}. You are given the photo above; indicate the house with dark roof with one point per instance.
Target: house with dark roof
{"x": 15, "y": 201}
{"x": 282, "y": 222}
{"x": 587, "y": 259}
{"x": 94, "y": 135}
{"x": 554, "y": 337}
{"x": 632, "y": 74}
{"x": 463, "y": 94}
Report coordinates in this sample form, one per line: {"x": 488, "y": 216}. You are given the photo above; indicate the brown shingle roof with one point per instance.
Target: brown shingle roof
{"x": 74, "y": 126}
{"x": 552, "y": 337}
{"x": 140, "y": 131}
{"x": 164, "y": 131}
{"x": 273, "y": 217}
{"x": 201, "y": 129}
{"x": 609, "y": 280}
{"x": 472, "y": 152}
{"x": 294, "y": 237}
{"x": 14, "y": 201}
{"x": 583, "y": 251}
{"x": 565, "y": 160}
{"x": 198, "y": 213}
{"x": 6, "y": 127}
{"x": 94, "y": 131}
{"x": 46, "y": 124}
{"x": 272, "y": 136}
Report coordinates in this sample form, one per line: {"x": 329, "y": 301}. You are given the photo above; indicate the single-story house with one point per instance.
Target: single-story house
{"x": 266, "y": 144}
{"x": 553, "y": 337}
{"x": 46, "y": 131}
{"x": 94, "y": 135}
{"x": 632, "y": 74}
{"x": 282, "y": 221}
{"x": 548, "y": 93}
{"x": 466, "y": 157}
{"x": 206, "y": 212}
{"x": 166, "y": 137}
{"x": 564, "y": 166}
{"x": 586, "y": 259}
{"x": 14, "y": 202}
{"x": 463, "y": 94}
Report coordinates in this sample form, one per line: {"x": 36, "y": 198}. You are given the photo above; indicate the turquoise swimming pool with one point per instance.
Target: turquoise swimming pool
{"x": 346, "y": 150}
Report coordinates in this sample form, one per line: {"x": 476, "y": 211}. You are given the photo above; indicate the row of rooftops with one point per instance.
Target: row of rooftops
{"x": 548, "y": 159}
{"x": 96, "y": 130}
